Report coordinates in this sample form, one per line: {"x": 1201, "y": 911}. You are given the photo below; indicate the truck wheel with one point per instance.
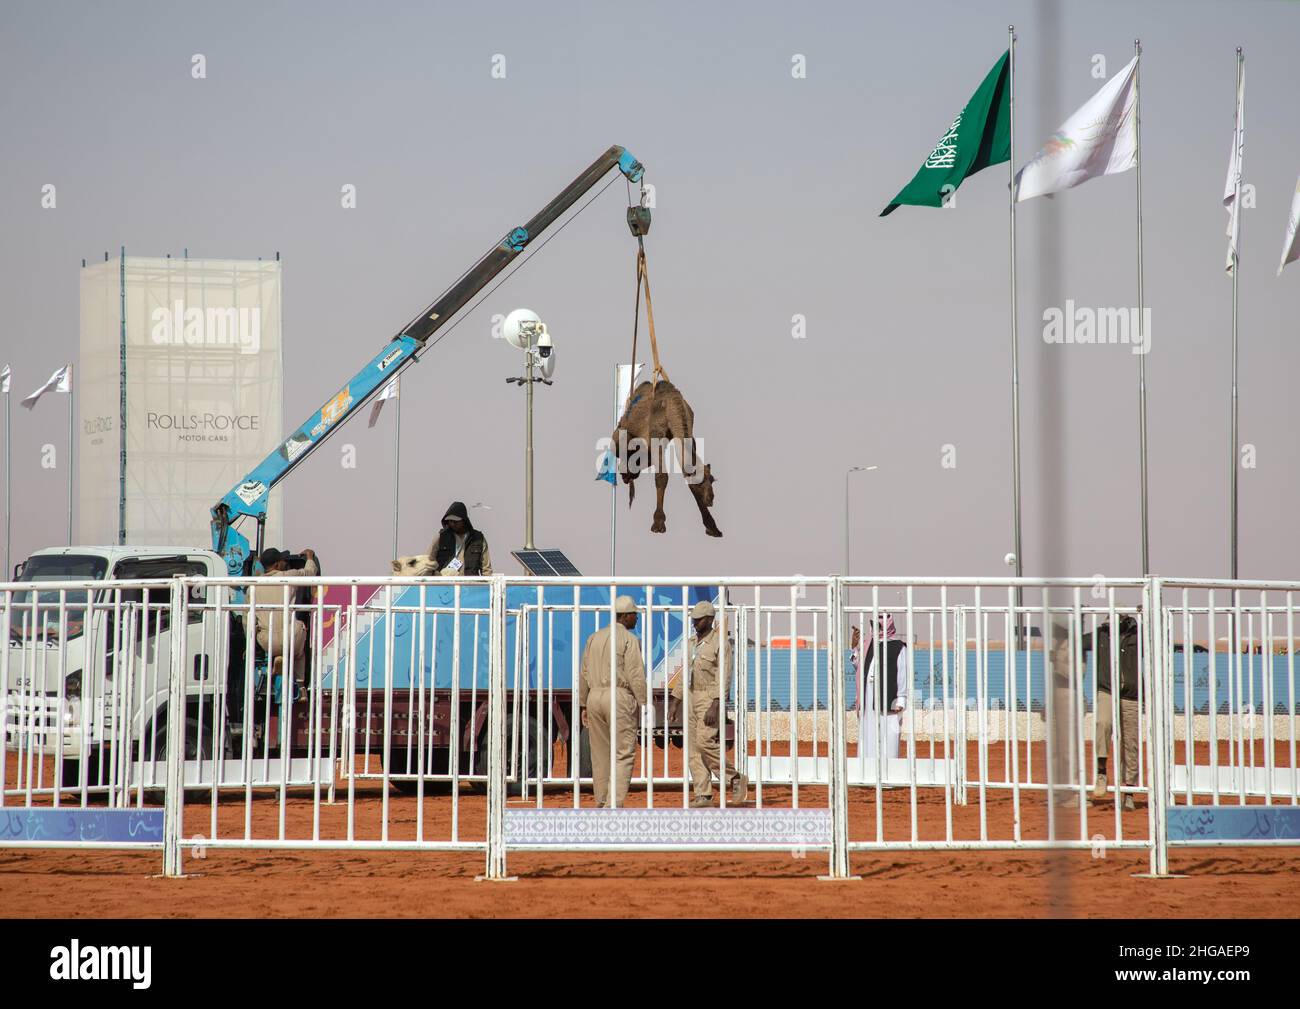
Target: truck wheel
{"x": 400, "y": 762}
{"x": 192, "y": 740}
{"x": 193, "y": 747}
{"x": 72, "y": 771}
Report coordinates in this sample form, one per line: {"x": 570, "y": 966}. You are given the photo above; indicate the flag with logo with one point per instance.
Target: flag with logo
{"x": 60, "y": 381}
{"x": 1233, "y": 184}
{"x": 607, "y": 468}
{"x": 1291, "y": 246}
{"x": 1099, "y": 139}
{"x": 5, "y": 375}
{"x": 391, "y": 391}
{"x": 980, "y": 136}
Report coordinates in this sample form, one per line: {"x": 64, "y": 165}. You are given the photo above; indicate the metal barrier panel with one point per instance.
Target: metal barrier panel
{"x": 1232, "y": 707}
{"x": 979, "y": 711}
{"x": 82, "y": 678}
{"x": 763, "y": 694}
{"x": 284, "y": 737}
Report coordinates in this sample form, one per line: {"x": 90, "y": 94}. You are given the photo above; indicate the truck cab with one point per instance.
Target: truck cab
{"x": 86, "y": 670}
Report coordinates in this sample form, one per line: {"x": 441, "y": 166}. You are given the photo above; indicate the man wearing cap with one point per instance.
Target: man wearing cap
{"x": 597, "y": 695}
{"x": 702, "y": 711}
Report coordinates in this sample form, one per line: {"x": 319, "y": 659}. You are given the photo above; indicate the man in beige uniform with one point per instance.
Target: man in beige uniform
{"x": 596, "y": 694}
{"x": 701, "y": 712}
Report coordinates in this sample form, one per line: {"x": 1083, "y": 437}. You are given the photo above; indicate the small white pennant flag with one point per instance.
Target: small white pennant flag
{"x": 1099, "y": 139}
{"x": 60, "y": 381}
{"x": 1291, "y": 246}
{"x": 1233, "y": 184}
{"x": 391, "y": 391}
{"x": 4, "y": 380}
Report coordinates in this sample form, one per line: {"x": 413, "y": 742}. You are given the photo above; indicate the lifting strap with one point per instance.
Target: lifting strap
{"x": 643, "y": 277}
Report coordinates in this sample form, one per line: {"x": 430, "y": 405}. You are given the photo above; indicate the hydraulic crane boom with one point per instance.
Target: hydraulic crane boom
{"x": 250, "y": 496}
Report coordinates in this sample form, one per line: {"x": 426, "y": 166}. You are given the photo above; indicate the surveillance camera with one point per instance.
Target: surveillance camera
{"x": 544, "y": 344}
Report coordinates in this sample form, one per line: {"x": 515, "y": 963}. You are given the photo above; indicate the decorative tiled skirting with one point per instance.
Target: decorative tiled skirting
{"x": 668, "y": 827}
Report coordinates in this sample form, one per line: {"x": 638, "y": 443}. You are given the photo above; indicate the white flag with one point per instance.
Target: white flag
{"x": 4, "y": 376}
{"x": 1234, "y": 176}
{"x": 60, "y": 381}
{"x": 390, "y": 392}
{"x": 627, "y": 374}
{"x": 1291, "y": 247}
{"x": 1099, "y": 139}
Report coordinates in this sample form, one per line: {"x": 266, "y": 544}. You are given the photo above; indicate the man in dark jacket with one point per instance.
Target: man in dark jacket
{"x": 459, "y": 549}
{"x": 1129, "y": 742}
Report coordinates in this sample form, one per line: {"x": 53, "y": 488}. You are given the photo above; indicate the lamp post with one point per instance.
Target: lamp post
{"x": 523, "y": 329}
{"x": 852, "y": 470}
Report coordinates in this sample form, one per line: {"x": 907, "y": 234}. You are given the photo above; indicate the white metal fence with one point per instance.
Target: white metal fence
{"x": 443, "y": 714}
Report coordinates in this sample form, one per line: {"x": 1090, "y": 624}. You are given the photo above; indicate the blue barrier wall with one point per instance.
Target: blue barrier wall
{"x": 812, "y": 688}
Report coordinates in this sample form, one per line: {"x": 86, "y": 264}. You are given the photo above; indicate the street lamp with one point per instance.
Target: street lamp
{"x": 852, "y": 470}
{"x": 523, "y": 329}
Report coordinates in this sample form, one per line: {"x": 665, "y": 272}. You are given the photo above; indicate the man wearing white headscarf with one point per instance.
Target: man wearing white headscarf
{"x": 887, "y": 694}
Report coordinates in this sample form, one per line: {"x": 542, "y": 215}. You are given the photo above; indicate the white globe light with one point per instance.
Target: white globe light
{"x": 513, "y": 329}
{"x": 1009, "y": 560}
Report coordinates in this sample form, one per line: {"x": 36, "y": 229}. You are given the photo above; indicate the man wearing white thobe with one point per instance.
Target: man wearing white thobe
{"x": 872, "y": 697}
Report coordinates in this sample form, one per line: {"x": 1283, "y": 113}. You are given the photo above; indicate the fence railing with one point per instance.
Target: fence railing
{"x": 863, "y": 713}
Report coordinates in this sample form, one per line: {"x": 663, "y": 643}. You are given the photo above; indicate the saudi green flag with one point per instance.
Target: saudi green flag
{"x": 980, "y": 136}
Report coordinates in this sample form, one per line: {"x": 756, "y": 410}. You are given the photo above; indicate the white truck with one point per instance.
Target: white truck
{"x": 85, "y": 674}
{"x": 85, "y": 680}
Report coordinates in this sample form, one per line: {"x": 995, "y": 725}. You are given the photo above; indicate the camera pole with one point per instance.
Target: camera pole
{"x": 528, "y": 453}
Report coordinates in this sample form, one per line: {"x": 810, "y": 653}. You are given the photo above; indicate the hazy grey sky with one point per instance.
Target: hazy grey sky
{"x": 768, "y": 189}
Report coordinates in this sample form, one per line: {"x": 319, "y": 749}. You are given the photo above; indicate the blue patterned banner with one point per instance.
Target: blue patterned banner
{"x": 1234, "y": 823}
{"x": 130, "y": 826}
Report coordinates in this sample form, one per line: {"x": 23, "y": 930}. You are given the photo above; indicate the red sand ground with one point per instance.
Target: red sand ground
{"x": 1221, "y": 882}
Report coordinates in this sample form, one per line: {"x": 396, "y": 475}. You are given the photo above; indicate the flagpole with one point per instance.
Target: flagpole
{"x": 613, "y": 491}
{"x": 1141, "y": 278}
{"x": 8, "y": 488}
{"x": 397, "y": 467}
{"x": 71, "y": 394}
{"x": 1236, "y": 275}
{"x": 1015, "y": 341}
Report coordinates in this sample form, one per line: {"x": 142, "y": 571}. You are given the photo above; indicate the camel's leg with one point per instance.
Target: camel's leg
{"x": 659, "y": 525}
{"x": 710, "y": 526}
{"x": 693, "y": 473}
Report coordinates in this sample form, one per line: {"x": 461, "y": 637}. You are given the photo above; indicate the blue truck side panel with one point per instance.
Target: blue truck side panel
{"x": 552, "y": 641}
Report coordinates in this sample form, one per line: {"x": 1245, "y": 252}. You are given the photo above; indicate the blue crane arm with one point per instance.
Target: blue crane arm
{"x": 250, "y": 496}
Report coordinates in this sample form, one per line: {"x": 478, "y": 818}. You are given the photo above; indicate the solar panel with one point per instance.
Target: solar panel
{"x": 545, "y": 563}
{"x": 561, "y": 564}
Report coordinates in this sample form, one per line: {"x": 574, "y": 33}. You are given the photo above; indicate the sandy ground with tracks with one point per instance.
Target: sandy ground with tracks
{"x": 335, "y": 883}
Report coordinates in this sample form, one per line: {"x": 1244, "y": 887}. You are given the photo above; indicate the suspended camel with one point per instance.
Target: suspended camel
{"x": 656, "y": 419}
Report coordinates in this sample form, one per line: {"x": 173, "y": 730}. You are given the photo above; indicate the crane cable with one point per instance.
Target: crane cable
{"x": 643, "y": 276}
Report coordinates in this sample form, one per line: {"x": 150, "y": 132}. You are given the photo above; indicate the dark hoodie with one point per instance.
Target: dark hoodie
{"x": 1128, "y": 656}
{"x": 443, "y": 550}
